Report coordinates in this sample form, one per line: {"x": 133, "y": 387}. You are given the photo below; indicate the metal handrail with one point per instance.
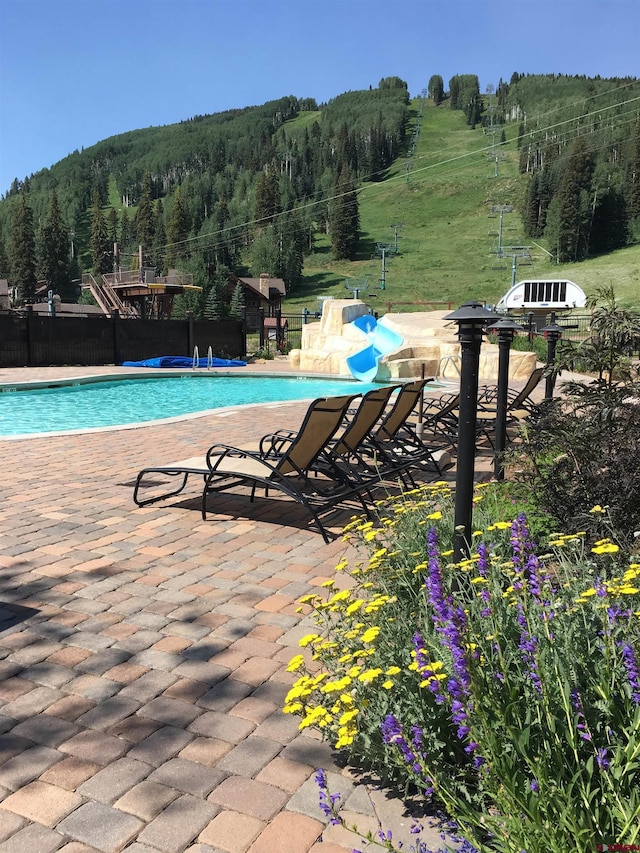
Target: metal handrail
{"x": 444, "y": 361}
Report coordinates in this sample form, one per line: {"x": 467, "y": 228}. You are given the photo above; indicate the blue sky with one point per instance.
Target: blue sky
{"x": 73, "y": 72}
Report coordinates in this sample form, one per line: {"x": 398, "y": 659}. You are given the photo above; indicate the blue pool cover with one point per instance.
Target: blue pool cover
{"x": 184, "y": 361}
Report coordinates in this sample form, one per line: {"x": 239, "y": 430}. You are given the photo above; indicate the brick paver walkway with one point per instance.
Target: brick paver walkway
{"x": 143, "y": 654}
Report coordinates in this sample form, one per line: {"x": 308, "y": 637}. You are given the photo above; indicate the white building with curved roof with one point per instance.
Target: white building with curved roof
{"x": 543, "y": 294}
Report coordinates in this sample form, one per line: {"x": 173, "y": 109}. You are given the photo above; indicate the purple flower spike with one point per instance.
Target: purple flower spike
{"x": 327, "y": 802}
{"x": 631, "y": 666}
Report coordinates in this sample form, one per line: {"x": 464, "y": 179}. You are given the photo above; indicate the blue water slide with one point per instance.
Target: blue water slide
{"x": 363, "y": 364}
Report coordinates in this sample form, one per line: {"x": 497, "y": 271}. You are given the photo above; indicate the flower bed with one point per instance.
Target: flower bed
{"x": 505, "y": 688}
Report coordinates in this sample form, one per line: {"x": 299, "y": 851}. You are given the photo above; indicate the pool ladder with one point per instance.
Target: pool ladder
{"x": 196, "y": 359}
{"x": 444, "y": 362}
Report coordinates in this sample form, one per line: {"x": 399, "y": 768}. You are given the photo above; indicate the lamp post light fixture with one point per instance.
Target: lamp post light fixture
{"x": 505, "y": 328}
{"x": 472, "y": 317}
{"x": 552, "y": 334}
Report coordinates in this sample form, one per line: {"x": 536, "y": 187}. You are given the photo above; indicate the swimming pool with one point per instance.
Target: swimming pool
{"x": 100, "y": 403}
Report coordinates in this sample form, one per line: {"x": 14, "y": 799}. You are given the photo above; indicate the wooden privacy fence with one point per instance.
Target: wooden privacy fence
{"x": 31, "y": 340}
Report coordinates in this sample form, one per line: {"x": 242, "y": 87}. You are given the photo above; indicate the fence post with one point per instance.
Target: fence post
{"x": 305, "y": 313}
{"x": 243, "y": 331}
{"x": 261, "y": 326}
{"x": 115, "y": 318}
{"x": 29, "y": 319}
{"x": 279, "y": 330}
{"x": 190, "y": 335}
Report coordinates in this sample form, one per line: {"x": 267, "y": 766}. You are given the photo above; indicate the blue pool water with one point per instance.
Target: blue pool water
{"x": 128, "y": 401}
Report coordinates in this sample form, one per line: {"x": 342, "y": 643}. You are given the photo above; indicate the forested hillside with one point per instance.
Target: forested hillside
{"x": 290, "y": 187}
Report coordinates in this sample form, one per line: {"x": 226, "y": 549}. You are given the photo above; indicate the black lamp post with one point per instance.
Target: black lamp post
{"x": 471, "y": 318}
{"x": 552, "y": 334}
{"x": 505, "y": 329}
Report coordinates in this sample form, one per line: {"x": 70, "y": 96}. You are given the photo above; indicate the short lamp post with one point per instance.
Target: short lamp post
{"x": 505, "y": 330}
{"x": 472, "y": 317}
{"x": 552, "y": 334}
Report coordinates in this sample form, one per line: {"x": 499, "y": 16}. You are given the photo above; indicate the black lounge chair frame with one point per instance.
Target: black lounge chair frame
{"x": 225, "y": 467}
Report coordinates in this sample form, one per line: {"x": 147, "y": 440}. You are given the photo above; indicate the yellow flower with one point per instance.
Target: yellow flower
{"x": 393, "y": 670}
{"x": 435, "y": 516}
{"x": 500, "y": 525}
{"x": 370, "y": 634}
{"x": 388, "y": 684}
{"x": 597, "y": 509}
{"x": 295, "y": 663}
{"x": 440, "y": 676}
{"x": 343, "y": 595}
{"x": 348, "y": 716}
{"x": 307, "y": 639}
{"x": 369, "y": 675}
{"x": 479, "y": 580}
{"x": 606, "y": 547}
{"x": 316, "y": 717}
{"x": 335, "y": 686}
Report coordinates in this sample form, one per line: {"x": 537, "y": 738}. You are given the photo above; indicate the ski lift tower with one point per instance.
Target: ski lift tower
{"x": 500, "y": 209}
{"x": 515, "y": 252}
{"x": 357, "y": 286}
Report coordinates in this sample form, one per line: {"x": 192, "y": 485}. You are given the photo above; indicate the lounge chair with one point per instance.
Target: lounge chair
{"x": 357, "y": 426}
{"x": 224, "y": 467}
{"x": 342, "y": 455}
{"x": 488, "y": 396}
{"x": 520, "y": 406}
{"x": 395, "y": 447}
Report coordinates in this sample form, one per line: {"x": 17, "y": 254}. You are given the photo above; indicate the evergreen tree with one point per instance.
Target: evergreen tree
{"x": 101, "y": 248}
{"x": 633, "y": 184}
{"x": 236, "y": 308}
{"x": 159, "y": 239}
{"x": 225, "y": 249}
{"x": 610, "y": 224}
{"x": 214, "y": 307}
{"x": 436, "y": 89}
{"x": 145, "y": 216}
{"x": 344, "y": 218}
{"x": 112, "y": 224}
{"x": 23, "y": 250}
{"x": 177, "y": 230}
{"x": 568, "y": 222}
{"x": 268, "y": 203}
{"x": 53, "y": 253}
{"x": 5, "y": 266}
{"x": 125, "y": 230}
{"x": 293, "y": 239}
{"x": 265, "y": 252}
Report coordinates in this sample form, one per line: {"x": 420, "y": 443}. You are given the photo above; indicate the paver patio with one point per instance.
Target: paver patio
{"x": 143, "y": 653}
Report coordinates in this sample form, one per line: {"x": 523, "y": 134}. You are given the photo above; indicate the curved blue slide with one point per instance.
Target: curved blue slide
{"x": 364, "y": 364}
